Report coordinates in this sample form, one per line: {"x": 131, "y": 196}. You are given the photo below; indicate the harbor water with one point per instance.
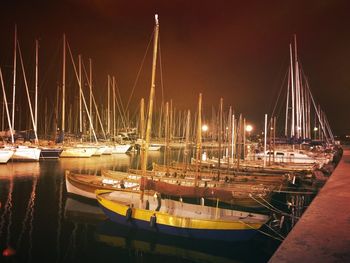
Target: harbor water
{"x": 39, "y": 221}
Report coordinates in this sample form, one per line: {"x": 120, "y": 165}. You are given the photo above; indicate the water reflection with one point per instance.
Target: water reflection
{"x": 14, "y": 177}
{"x": 96, "y": 163}
{"x": 41, "y": 222}
{"x": 156, "y": 246}
{"x": 19, "y": 169}
{"x": 82, "y": 213}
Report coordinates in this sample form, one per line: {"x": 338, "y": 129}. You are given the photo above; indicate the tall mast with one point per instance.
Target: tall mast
{"x": 108, "y": 105}
{"x": 265, "y": 135}
{"x": 80, "y": 100}
{"x": 7, "y": 109}
{"x": 142, "y": 119}
{"x": 150, "y": 106}
{"x": 220, "y": 135}
{"x": 166, "y": 137}
{"x": 113, "y": 87}
{"x": 14, "y": 79}
{"x": 287, "y": 106}
{"x": 90, "y": 102}
{"x": 292, "y": 128}
{"x": 199, "y": 138}
{"x": 64, "y": 83}
{"x": 36, "y": 82}
{"x": 233, "y": 134}
{"x": 187, "y": 138}
{"x": 28, "y": 95}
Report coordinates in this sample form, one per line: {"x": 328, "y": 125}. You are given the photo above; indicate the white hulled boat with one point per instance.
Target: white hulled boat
{"x": 26, "y": 153}
{"x": 6, "y": 154}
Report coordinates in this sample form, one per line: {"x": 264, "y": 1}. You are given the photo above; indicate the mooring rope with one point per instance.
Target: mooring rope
{"x": 272, "y": 208}
{"x": 260, "y": 231}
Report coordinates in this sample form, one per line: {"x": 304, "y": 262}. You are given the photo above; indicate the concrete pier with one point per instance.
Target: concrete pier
{"x": 323, "y": 232}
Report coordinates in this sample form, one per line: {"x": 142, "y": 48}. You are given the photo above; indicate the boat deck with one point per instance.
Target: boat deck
{"x": 180, "y": 209}
{"x": 323, "y": 232}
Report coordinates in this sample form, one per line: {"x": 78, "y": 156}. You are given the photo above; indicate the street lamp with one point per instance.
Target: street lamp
{"x": 204, "y": 128}
{"x": 315, "y": 130}
{"x": 248, "y": 128}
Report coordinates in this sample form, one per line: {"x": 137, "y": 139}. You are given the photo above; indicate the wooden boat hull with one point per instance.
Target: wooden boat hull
{"x": 85, "y": 185}
{"x": 164, "y": 223}
{"x": 248, "y": 195}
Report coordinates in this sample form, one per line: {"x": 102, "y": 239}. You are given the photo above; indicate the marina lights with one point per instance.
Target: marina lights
{"x": 248, "y": 128}
{"x": 205, "y": 128}
{"x": 315, "y": 131}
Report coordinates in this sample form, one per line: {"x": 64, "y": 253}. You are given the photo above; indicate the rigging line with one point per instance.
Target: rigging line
{"x": 139, "y": 72}
{"x": 270, "y": 208}
{"x": 275, "y": 208}
{"x": 122, "y": 114}
{"x": 120, "y": 102}
{"x": 82, "y": 93}
{"x": 93, "y": 98}
{"x": 161, "y": 71}
{"x": 273, "y": 230}
{"x": 28, "y": 95}
{"x": 314, "y": 104}
{"x": 260, "y": 231}
{"x": 279, "y": 93}
{"x": 45, "y": 73}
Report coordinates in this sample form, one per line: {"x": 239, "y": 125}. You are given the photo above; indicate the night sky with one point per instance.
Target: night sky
{"x": 238, "y": 50}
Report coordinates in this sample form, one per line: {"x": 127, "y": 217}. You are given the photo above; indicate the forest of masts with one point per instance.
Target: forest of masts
{"x": 72, "y": 107}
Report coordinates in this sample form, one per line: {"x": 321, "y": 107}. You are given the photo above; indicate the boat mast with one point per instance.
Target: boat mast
{"x": 14, "y": 80}
{"x": 233, "y": 141}
{"x": 82, "y": 94}
{"x": 199, "y": 139}
{"x": 287, "y": 106}
{"x": 90, "y": 101}
{"x": 80, "y": 101}
{"x": 36, "y": 82}
{"x": 151, "y": 96}
{"x": 28, "y": 95}
{"x": 6, "y": 106}
{"x": 265, "y": 134}
{"x": 114, "y": 121}
{"x": 220, "y": 136}
{"x": 166, "y": 137}
{"x": 142, "y": 119}
{"x": 108, "y": 105}
{"x": 292, "y": 88}
{"x": 186, "y": 151}
{"x": 64, "y": 83}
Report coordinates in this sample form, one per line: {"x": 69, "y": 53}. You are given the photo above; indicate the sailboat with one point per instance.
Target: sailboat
{"x": 6, "y": 152}
{"x": 175, "y": 217}
{"x": 295, "y": 148}
{"x": 22, "y": 152}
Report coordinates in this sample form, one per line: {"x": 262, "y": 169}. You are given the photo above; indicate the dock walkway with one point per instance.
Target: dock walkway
{"x": 323, "y": 232}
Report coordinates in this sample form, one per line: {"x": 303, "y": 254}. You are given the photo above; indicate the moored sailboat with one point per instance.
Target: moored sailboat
{"x": 180, "y": 219}
{"x": 175, "y": 217}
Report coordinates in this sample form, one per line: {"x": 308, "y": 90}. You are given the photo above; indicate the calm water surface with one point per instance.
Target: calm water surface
{"x": 39, "y": 221}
